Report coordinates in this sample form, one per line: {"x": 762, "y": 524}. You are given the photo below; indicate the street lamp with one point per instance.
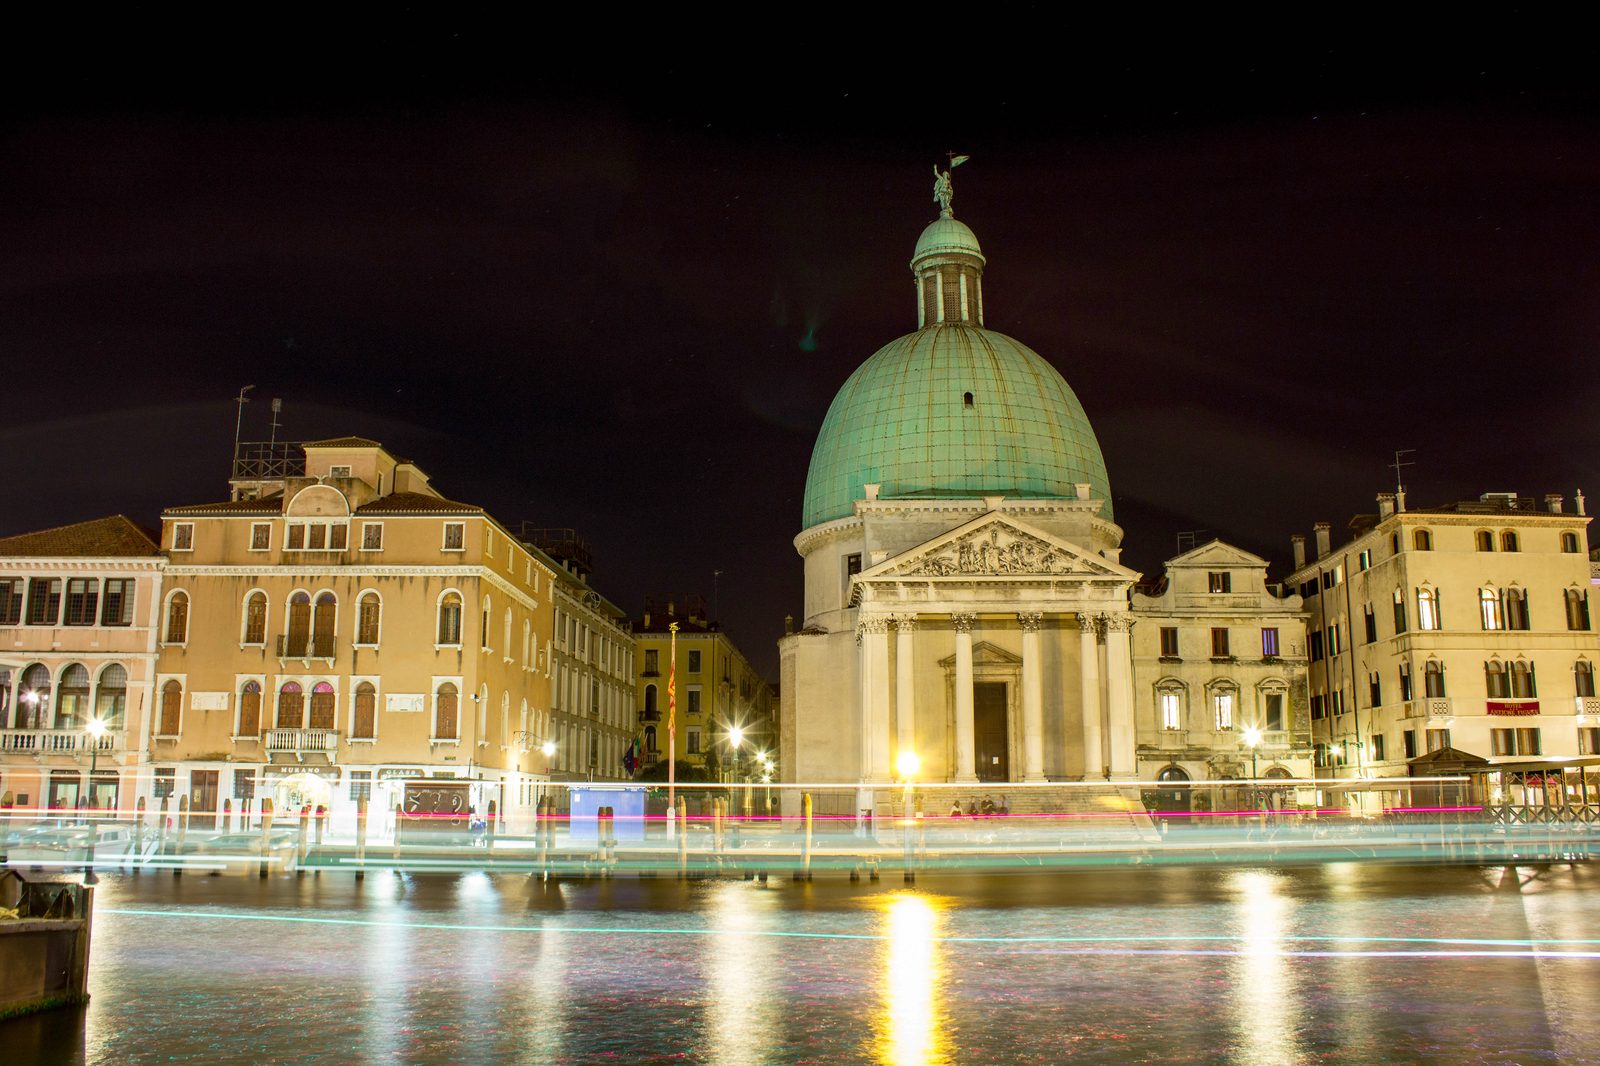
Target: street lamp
{"x": 1252, "y": 737}
{"x": 96, "y": 729}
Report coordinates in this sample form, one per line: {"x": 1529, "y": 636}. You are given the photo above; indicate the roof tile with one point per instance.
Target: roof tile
{"x": 118, "y": 536}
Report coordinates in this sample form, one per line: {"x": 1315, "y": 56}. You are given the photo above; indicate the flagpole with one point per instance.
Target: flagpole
{"x": 672, "y": 733}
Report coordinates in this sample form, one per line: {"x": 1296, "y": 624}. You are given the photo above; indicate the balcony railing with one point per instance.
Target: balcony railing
{"x": 302, "y": 741}
{"x": 59, "y": 741}
{"x": 307, "y": 647}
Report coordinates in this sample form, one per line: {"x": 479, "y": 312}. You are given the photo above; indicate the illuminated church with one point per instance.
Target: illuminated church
{"x": 967, "y": 618}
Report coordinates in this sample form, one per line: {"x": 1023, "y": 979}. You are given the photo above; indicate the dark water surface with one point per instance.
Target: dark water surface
{"x": 1335, "y": 964}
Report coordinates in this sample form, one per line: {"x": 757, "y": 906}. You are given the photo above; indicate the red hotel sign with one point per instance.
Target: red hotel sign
{"x": 1516, "y": 707}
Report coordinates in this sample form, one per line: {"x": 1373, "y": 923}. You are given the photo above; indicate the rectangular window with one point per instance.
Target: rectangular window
{"x": 1219, "y": 643}
{"x": 1169, "y": 642}
{"x": 1377, "y": 747}
{"x": 165, "y": 783}
{"x": 1364, "y": 560}
{"x": 1502, "y": 742}
{"x": 652, "y": 658}
{"x": 1171, "y": 710}
{"x": 692, "y": 699}
{"x": 319, "y": 537}
{"x": 260, "y": 536}
{"x": 1371, "y": 621}
{"x": 1274, "y": 701}
{"x": 1314, "y": 643}
{"x": 339, "y": 537}
{"x": 1589, "y": 741}
{"x": 694, "y": 742}
{"x": 1438, "y": 739}
{"x": 1399, "y": 612}
{"x": 117, "y": 607}
{"x": 455, "y": 536}
{"x": 1220, "y": 582}
{"x": 44, "y": 601}
{"x": 1334, "y": 645}
{"x": 1319, "y": 707}
{"x": 244, "y": 784}
{"x": 361, "y": 784}
{"x": 10, "y": 601}
{"x": 372, "y": 537}
{"x": 1409, "y": 739}
{"x": 1269, "y": 643}
{"x": 852, "y": 565}
{"x": 1405, "y": 685}
{"x": 83, "y": 601}
{"x": 694, "y": 662}
{"x": 339, "y": 471}
{"x": 297, "y": 538}
{"x": 1222, "y": 707}
{"x": 1374, "y": 691}
{"x": 183, "y": 537}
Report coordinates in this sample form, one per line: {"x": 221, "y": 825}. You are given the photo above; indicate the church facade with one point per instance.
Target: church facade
{"x": 967, "y": 616}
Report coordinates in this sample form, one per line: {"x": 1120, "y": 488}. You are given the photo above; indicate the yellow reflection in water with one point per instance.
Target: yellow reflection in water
{"x": 1265, "y": 1008}
{"x": 743, "y": 1010}
{"x": 911, "y": 1032}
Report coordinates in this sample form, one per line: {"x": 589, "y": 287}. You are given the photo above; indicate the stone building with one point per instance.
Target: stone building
{"x": 717, "y": 691}
{"x": 593, "y": 710}
{"x": 339, "y": 627}
{"x": 1217, "y": 651}
{"x": 79, "y": 611}
{"x": 1466, "y": 625}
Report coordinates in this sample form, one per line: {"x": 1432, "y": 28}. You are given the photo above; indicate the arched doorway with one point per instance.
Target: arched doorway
{"x": 1172, "y": 797}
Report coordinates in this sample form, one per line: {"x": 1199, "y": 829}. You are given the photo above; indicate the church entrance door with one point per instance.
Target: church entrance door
{"x": 989, "y": 729}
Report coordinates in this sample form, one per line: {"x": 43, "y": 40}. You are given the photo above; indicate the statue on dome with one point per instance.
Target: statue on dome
{"x": 943, "y": 192}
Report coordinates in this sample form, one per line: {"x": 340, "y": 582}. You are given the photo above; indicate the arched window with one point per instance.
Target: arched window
{"x": 1569, "y": 543}
{"x": 1522, "y": 681}
{"x": 171, "y": 708}
{"x": 178, "y": 618}
{"x": 250, "y": 709}
{"x": 1224, "y": 701}
{"x": 1485, "y": 540}
{"x": 481, "y": 719}
{"x": 506, "y": 650}
{"x": 446, "y": 710}
{"x": 1394, "y": 543}
{"x": 527, "y": 643}
{"x": 483, "y": 631}
{"x": 650, "y": 712}
{"x": 299, "y": 625}
{"x": 324, "y": 702}
{"x": 1583, "y": 677}
{"x": 33, "y": 697}
{"x": 1489, "y": 608}
{"x": 1433, "y": 679}
{"x": 72, "y": 698}
{"x": 323, "y": 625}
{"x": 368, "y": 614}
{"x": 1577, "y": 609}
{"x": 255, "y": 618}
{"x": 365, "y": 723}
{"x": 450, "y": 619}
{"x": 1172, "y": 773}
{"x": 291, "y": 706}
{"x": 1495, "y": 681}
{"x": 111, "y": 696}
{"x": 650, "y": 738}
{"x": 1516, "y": 608}
{"x": 1508, "y": 541}
{"x": 5, "y": 699}
{"x": 505, "y": 719}
{"x": 1427, "y": 609}
{"x": 1422, "y": 540}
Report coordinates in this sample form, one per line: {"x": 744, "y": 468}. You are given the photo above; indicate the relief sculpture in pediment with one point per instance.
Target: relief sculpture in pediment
{"x": 986, "y": 553}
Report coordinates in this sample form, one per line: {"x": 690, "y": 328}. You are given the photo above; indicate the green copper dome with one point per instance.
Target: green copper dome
{"x": 903, "y": 421}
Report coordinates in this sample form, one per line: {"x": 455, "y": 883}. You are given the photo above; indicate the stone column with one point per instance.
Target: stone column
{"x": 874, "y": 636}
{"x": 966, "y": 768}
{"x": 1119, "y": 695}
{"x": 1089, "y": 637}
{"x": 1032, "y": 699}
{"x": 904, "y": 685}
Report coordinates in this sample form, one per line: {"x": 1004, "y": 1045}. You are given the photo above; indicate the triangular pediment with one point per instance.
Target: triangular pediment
{"x": 985, "y": 654}
{"x": 996, "y": 545}
{"x": 1219, "y": 554}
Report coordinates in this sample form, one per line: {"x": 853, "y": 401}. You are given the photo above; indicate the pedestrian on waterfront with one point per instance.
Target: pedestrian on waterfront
{"x": 988, "y": 807}
{"x": 1003, "y": 807}
{"x": 972, "y": 808}
{"x": 955, "y": 808}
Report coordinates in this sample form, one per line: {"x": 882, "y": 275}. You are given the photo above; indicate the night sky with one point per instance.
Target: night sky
{"x": 585, "y": 283}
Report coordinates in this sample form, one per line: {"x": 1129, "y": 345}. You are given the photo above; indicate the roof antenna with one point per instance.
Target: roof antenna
{"x": 1398, "y": 464}
{"x": 238, "y": 423}
{"x": 277, "y": 408}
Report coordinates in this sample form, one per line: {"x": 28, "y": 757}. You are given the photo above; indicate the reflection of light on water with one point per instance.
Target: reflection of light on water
{"x": 547, "y": 1000}
{"x": 1265, "y": 1008}
{"x": 911, "y": 1031}
{"x": 741, "y": 1017}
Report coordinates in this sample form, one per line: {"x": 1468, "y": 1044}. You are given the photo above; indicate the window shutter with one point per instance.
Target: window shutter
{"x": 1533, "y": 681}
{"x": 1488, "y": 679}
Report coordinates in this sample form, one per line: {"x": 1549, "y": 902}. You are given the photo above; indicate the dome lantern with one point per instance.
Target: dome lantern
{"x": 948, "y": 264}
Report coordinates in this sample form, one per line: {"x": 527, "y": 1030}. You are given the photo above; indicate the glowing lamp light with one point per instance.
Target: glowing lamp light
{"x": 548, "y": 748}
{"x": 1252, "y": 736}
{"x": 908, "y": 764}
{"x": 96, "y": 727}
{"x": 735, "y": 735}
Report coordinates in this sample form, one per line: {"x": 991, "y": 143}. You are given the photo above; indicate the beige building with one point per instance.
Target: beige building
{"x": 594, "y": 714}
{"x": 339, "y": 627}
{"x": 79, "y": 610}
{"x": 1217, "y": 652}
{"x": 1465, "y": 626}
{"x": 718, "y": 690}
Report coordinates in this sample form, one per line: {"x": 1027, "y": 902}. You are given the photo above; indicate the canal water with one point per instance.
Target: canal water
{"x": 1321, "y": 964}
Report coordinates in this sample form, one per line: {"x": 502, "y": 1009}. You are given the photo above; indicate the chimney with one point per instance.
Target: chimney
{"x": 1552, "y": 504}
{"x": 1578, "y": 496}
{"x": 1385, "y": 505}
{"x": 1321, "y": 531}
{"x": 1299, "y": 544}
{"x": 672, "y": 609}
{"x": 788, "y": 625}
{"x": 647, "y": 621}
{"x": 1400, "y": 501}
